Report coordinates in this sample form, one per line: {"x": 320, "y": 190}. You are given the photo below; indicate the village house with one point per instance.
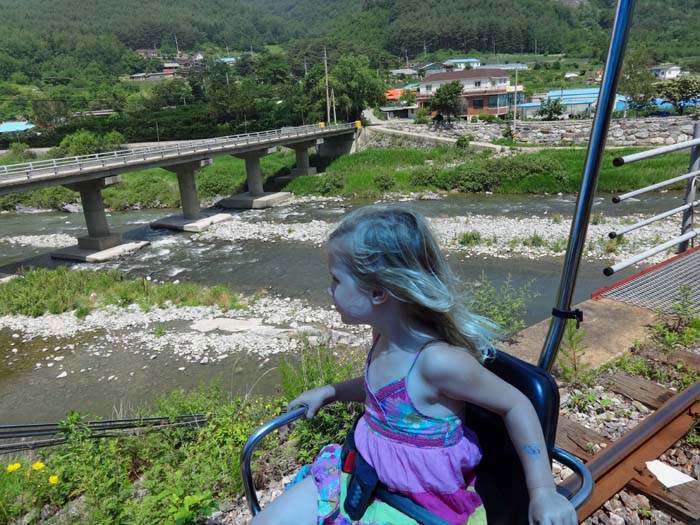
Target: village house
{"x": 458, "y": 64}
{"x": 483, "y": 90}
{"x": 666, "y": 71}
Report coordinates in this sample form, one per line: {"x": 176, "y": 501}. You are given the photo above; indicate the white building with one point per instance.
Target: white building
{"x": 459, "y": 64}
{"x": 666, "y": 71}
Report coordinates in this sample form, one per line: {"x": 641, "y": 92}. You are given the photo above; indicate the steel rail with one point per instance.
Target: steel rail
{"x": 619, "y": 198}
{"x": 635, "y": 157}
{"x": 591, "y": 171}
{"x": 655, "y": 218}
{"x": 609, "y": 270}
{"x": 635, "y": 447}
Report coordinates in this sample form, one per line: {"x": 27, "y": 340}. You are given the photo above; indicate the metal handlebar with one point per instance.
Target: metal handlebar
{"x": 247, "y": 452}
{"x": 577, "y": 497}
{"x": 585, "y": 490}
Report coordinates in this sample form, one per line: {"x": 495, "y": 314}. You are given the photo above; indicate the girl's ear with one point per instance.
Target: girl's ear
{"x": 379, "y": 296}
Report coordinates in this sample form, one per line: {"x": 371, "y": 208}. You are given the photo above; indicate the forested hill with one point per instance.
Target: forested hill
{"x": 70, "y": 38}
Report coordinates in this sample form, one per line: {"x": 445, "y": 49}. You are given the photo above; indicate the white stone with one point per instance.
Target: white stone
{"x": 61, "y": 375}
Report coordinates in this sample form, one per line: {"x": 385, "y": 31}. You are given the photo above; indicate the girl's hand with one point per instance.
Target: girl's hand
{"x": 548, "y": 507}
{"x": 313, "y": 399}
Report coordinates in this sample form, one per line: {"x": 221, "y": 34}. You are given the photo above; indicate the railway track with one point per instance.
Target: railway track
{"x": 621, "y": 463}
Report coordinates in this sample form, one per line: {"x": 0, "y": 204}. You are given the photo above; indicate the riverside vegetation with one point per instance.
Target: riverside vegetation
{"x": 374, "y": 172}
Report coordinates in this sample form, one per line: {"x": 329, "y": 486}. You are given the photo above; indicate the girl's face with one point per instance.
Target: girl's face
{"x": 353, "y": 303}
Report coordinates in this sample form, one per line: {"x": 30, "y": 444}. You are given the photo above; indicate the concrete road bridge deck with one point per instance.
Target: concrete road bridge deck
{"x": 89, "y": 174}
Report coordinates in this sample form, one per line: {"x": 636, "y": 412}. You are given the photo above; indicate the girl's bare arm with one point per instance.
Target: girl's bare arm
{"x": 457, "y": 375}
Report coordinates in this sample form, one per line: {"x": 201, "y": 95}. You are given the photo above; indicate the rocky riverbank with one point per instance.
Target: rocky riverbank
{"x": 486, "y": 235}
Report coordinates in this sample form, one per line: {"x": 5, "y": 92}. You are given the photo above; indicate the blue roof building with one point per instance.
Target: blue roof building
{"x": 15, "y": 126}
{"x": 577, "y": 101}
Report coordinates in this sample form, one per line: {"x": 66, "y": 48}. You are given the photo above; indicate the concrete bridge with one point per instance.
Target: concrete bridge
{"x": 90, "y": 174}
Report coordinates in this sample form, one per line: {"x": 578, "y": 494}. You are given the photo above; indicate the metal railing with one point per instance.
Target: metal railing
{"x": 140, "y": 155}
{"x": 688, "y": 232}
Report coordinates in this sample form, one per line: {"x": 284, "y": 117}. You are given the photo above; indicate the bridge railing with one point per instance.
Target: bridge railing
{"x": 137, "y": 155}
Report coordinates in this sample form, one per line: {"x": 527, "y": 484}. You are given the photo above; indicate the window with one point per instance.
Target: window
{"x": 493, "y": 101}
{"x": 478, "y": 103}
{"x": 429, "y": 88}
{"x": 477, "y": 83}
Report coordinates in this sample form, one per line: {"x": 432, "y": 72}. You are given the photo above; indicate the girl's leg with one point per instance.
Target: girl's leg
{"x": 297, "y": 505}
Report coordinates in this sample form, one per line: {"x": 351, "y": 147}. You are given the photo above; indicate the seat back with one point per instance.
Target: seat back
{"x": 500, "y": 480}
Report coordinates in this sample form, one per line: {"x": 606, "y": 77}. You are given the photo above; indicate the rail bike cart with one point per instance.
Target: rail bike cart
{"x": 500, "y": 480}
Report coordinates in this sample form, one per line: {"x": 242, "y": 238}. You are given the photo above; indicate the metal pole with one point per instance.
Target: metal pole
{"x": 591, "y": 170}
{"x": 687, "y": 223}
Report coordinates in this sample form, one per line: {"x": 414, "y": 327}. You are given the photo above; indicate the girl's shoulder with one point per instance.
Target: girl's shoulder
{"x": 442, "y": 359}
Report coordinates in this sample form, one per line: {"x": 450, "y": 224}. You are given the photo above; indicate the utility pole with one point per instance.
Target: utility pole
{"x": 515, "y": 102}
{"x": 306, "y": 71}
{"x": 335, "y": 120}
{"x": 425, "y": 49}
{"x": 406, "y": 51}
{"x": 328, "y": 102}
{"x": 177, "y": 47}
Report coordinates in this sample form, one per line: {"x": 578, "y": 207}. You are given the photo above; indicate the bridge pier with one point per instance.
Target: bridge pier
{"x": 192, "y": 218}
{"x": 99, "y": 244}
{"x": 255, "y": 197}
{"x": 99, "y": 237}
{"x": 302, "y": 152}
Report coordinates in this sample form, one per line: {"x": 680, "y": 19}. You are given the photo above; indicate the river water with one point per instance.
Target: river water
{"x": 109, "y": 382}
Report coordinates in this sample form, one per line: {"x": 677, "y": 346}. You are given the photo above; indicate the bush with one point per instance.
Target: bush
{"x": 487, "y": 117}
{"x": 421, "y": 120}
{"x": 331, "y": 184}
{"x": 425, "y": 176}
{"x": 470, "y": 238}
{"x": 384, "y": 181}
{"x": 462, "y": 142}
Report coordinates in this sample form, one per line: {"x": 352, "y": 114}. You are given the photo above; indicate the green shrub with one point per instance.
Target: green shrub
{"x": 331, "y": 184}
{"x": 487, "y": 117}
{"x": 384, "y": 181}
{"x": 315, "y": 367}
{"x": 462, "y": 142}
{"x": 534, "y": 241}
{"x": 421, "y": 120}
{"x": 424, "y": 176}
{"x": 470, "y": 238}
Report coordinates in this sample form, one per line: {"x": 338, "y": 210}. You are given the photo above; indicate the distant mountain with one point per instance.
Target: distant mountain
{"x": 578, "y": 27}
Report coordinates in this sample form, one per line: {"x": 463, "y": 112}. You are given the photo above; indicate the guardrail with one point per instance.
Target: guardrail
{"x": 688, "y": 232}
{"x": 139, "y": 155}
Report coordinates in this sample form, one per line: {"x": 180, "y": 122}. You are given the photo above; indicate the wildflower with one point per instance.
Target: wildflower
{"x": 53, "y": 479}
{"x": 38, "y": 465}
{"x": 13, "y": 466}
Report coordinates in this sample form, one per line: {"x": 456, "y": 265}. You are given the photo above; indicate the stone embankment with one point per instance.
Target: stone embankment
{"x": 623, "y": 132}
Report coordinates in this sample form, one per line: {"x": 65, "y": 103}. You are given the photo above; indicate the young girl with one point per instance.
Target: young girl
{"x": 388, "y": 272}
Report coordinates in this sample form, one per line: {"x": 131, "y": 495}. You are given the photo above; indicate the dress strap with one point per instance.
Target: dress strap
{"x": 415, "y": 359}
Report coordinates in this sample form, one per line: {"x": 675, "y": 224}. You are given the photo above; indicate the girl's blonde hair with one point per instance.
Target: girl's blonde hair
{"x": 394, "y": 249}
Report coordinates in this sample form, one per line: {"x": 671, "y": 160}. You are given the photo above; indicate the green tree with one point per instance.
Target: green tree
{"x": 355, "y": 86}
{"x": 680, "y": 92}
{"x": 636, "y": 79}
{"x": 408, "y": 98}
{"x": 551, "y": 109}
{"x": 447, "y": 99}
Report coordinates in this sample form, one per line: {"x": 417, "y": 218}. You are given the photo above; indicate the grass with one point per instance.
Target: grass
{"x": 181, "y": 472}
{"x": 41, "y": 291}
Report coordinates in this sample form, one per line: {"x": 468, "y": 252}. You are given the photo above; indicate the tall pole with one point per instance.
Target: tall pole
{"x": 515, "y": 101}
{"x": 328, "y": 101}
{"x": 335, "y": 120}
{"x": 690, "y": 188}
{"x": 591, "y": 169}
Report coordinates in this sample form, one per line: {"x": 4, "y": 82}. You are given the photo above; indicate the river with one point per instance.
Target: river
{"x": 108, "y": 381}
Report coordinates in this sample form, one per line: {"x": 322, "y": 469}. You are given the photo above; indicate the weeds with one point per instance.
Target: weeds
{"x": 470, "y": 238}
{"x": 42, "y": 291}
{"x": 571, "y": 355}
